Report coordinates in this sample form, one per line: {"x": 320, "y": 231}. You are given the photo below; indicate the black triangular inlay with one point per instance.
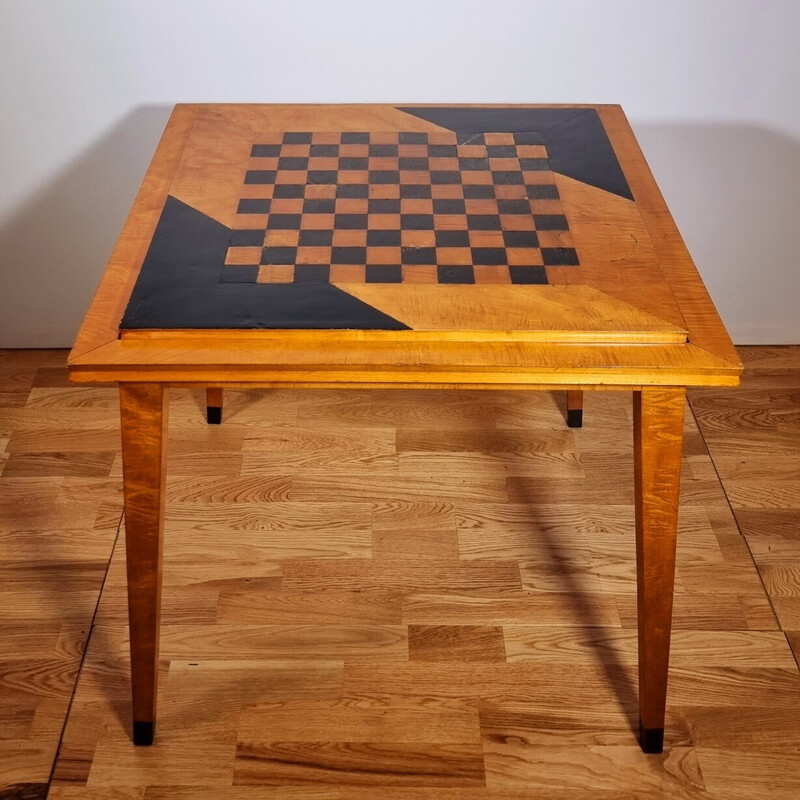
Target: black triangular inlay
{"x": 179, "y": 287}
{"x": 576, "y": 141}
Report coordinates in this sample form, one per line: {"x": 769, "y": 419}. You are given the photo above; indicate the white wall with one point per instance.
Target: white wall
{"x": 711, "y": 86}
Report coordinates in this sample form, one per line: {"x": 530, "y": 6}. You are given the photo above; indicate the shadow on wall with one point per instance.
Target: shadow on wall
{"x": 55, "y": 248}
{"x": 734, "y": 191}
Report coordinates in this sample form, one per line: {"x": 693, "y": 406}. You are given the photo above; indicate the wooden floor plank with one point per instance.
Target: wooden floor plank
{"x": 570, "y": 645}
{"x": 343, "y": 722}
{"x": 374, "y": 764}
{"x": 424, "y": 574}
{"x": 511, "y": 765}
{"x": 305, "y": 642}
{"x": 252, "y": 604}
{"x": 460, "y": 643}
{"x": 485, "y": 608}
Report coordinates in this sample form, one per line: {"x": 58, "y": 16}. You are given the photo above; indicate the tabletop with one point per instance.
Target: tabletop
{"x": 393, "y": 245}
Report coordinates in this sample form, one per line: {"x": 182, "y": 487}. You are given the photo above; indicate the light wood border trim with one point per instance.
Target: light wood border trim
{"x": 706, "y": 329}
{"x": 101, "y": 324}
{"x": 393, "y": 363}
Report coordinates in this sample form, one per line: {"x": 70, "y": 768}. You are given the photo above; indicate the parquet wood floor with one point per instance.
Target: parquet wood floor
{"x": 398, "y": 595}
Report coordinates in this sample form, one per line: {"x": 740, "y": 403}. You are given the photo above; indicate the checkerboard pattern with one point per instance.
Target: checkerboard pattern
{"x": 398, "y": 208}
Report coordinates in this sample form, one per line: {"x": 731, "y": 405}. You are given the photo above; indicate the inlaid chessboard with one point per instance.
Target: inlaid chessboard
{"x": 398, "y": 207}
{"x": 457, "y": 221}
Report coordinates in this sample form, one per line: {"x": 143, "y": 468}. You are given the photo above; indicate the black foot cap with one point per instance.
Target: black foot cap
{"x": 214, "y": 415}
{"x": 575, "y": 418}
{"x": 651, "y": 739}
{"x": 143, "y": 733}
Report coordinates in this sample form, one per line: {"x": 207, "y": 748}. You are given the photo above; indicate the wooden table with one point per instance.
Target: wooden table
{"x": 358, "y": 246}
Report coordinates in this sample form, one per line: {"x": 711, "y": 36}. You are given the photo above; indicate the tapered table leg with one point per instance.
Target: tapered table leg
{"x": 144, "y": 412}
{"x": 214, "y": 406}
{"x": 658, "y": 442}
{"x": 575, "y": 408}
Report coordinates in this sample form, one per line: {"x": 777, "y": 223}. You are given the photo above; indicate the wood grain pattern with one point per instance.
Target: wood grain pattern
{"x": 687, "y": 286}
{"x": 108, "y": 305}
{"x": 554, "y": 313}
{"x": 734, "y": 684}
{"x": 54, "y": 550}
{"x": 144, "y": 410}
{"x": 627, "y": 297}
{"x": 658, "y": 445}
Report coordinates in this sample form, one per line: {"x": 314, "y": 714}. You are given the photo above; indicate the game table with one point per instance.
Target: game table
{"x": 378, "y": 246}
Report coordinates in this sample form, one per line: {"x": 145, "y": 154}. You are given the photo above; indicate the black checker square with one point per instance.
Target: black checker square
{"x": 483, "y": 222}
{"x": 383, "y": 150}
{"x": 247, "y": 238}
{"x": 550, "y": 222}
{"x": 413, "y": 138}
{"x": 418, "y": 255}
{"x": 383, "y": 206}
{"x": 353, "y": 163}
{"x": 325, "y": 150}
{"x": 520, "y": 239}
{"x": 319, "y": 206}
{"x": 297, "y": 138}
{"x": 507, "y": 177}
{"x": 384, "y": 273}
{"x": 286, "y": 222}
{"x": 506, "y": 207}
{"x": 442, "y": 177}
{"x": 415, "y": 191}
{"x": 413, "y": 163}
{"x": 542, "y": 191}
{"x": 501, "y": 151}
{"x": 385, "y": 186}
{"x": 253, "y": 206}
{"x": 534, "y": 164}
{"x": 528, "y": 275}
{"x": 489, "y": 256}
{"x": 292, "y": 163}
{"x": 479, "y": 191}
{"x": 312, "y": 273}
{"x": 449, "y": 207}
{"x": 381, "y": 177}
{"x": 315, "y": 238}
{"x": 265, "y": 151}
{"x": 352, "y": 191}
{"x": 260, "y": 176}
{"x": 348, "y": 255}
{"x": 350, "y": 222}
{"x": 452, "y": 238}
{"x": 288, "y": 191}
{"x": 560, "y": 256}
{"x": 383, "y": 238}
{"x": 355, "y": 138}
{"x": 473, "y": 164}
{"x": 325, "y": 176}
{"x": 459, "y": 274}
{"x": 416, "y": 222}
{"x": 278, "y": 255}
